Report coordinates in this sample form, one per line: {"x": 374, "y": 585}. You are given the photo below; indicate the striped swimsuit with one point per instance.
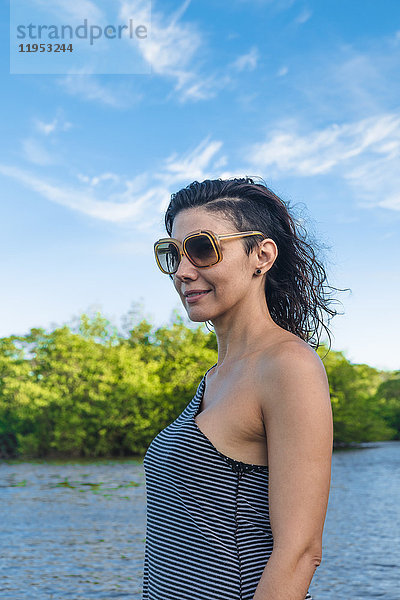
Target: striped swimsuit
{"x": 208, "y": 534}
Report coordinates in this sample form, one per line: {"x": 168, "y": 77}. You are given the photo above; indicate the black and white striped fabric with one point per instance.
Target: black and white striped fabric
{"x": 208, "y": 533}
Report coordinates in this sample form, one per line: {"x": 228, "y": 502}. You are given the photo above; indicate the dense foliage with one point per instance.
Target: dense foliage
{"x": 91, "y": 391}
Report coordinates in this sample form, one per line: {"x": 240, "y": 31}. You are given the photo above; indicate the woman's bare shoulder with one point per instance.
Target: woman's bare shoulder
{"x": 287, "y": 363}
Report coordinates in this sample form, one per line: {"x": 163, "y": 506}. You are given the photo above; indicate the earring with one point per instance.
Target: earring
{"x": 258, "y": 271}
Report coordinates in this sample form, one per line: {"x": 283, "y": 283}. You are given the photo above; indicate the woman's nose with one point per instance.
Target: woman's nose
{"x": 185, "y": 268}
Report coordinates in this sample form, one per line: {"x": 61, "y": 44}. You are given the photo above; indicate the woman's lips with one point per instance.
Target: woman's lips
{"x": 196, "y": 297}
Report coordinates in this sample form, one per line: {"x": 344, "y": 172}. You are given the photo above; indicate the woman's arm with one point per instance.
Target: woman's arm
{"x": 295, "y": 403}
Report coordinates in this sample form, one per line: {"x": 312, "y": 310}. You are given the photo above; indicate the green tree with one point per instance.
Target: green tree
{"x": 356, "y": 415}
{"x": 90, "y": 390}
{"x": 388, "y": 399}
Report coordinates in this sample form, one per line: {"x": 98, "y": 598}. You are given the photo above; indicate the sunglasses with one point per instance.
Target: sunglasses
{"x": 201, "y": 247}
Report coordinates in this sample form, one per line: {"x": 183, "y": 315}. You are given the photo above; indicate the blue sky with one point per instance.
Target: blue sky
{"x": 302, "y": 93}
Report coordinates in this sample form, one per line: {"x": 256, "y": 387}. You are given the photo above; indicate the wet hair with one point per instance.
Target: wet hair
{"x": 295, "y": 289}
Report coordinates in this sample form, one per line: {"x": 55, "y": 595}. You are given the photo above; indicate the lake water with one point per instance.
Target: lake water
{"x": 76, "y": 529}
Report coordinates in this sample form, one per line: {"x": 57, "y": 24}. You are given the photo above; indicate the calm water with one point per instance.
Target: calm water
{"x": 76, "y": 530}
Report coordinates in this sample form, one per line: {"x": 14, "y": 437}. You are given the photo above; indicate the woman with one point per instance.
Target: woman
{"x": 238, "y": 485}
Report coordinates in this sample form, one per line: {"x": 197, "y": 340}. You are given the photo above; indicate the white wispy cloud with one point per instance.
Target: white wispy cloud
{"x": 172, "y": 48}
{"x": 110, "y": 197}
{"x": 94, "y": 181}
{"x": 192, "y": 87}
{"x": 303, "y": 17}
{"x": 46, "y": 128}
{"x": 57, "y": 124}
{"x": 377, "y": 181}
{"x": 90, "y": 88}
{"x": 41, "y": 146}
{"x": 348, "y": 81}
{"x": 283, "y": 71}
{"x": 172, "y": 44}
{"x": 176, "y": 51}
{"x": 320, "y": 150}
{"x": 365, "y": 153}
{"x": 247, "y": 61}
{"x": 35, "y": 152}
{"x": 194, "y": 164}
{"x": 125, "y": 205}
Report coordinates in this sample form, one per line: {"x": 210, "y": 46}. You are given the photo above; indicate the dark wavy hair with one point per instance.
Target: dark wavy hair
{"x": 295, "y": 292}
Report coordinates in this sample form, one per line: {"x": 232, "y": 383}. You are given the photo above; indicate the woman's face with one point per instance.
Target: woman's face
{"x": 228, "y": 281}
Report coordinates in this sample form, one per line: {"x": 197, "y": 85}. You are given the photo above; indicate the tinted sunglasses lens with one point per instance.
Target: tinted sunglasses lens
{"x": 168, "y": 256}
{"x": 201, "y": 250}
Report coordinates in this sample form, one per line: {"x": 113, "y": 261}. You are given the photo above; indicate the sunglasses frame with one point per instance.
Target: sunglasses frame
{"x": 214, "y": 239}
